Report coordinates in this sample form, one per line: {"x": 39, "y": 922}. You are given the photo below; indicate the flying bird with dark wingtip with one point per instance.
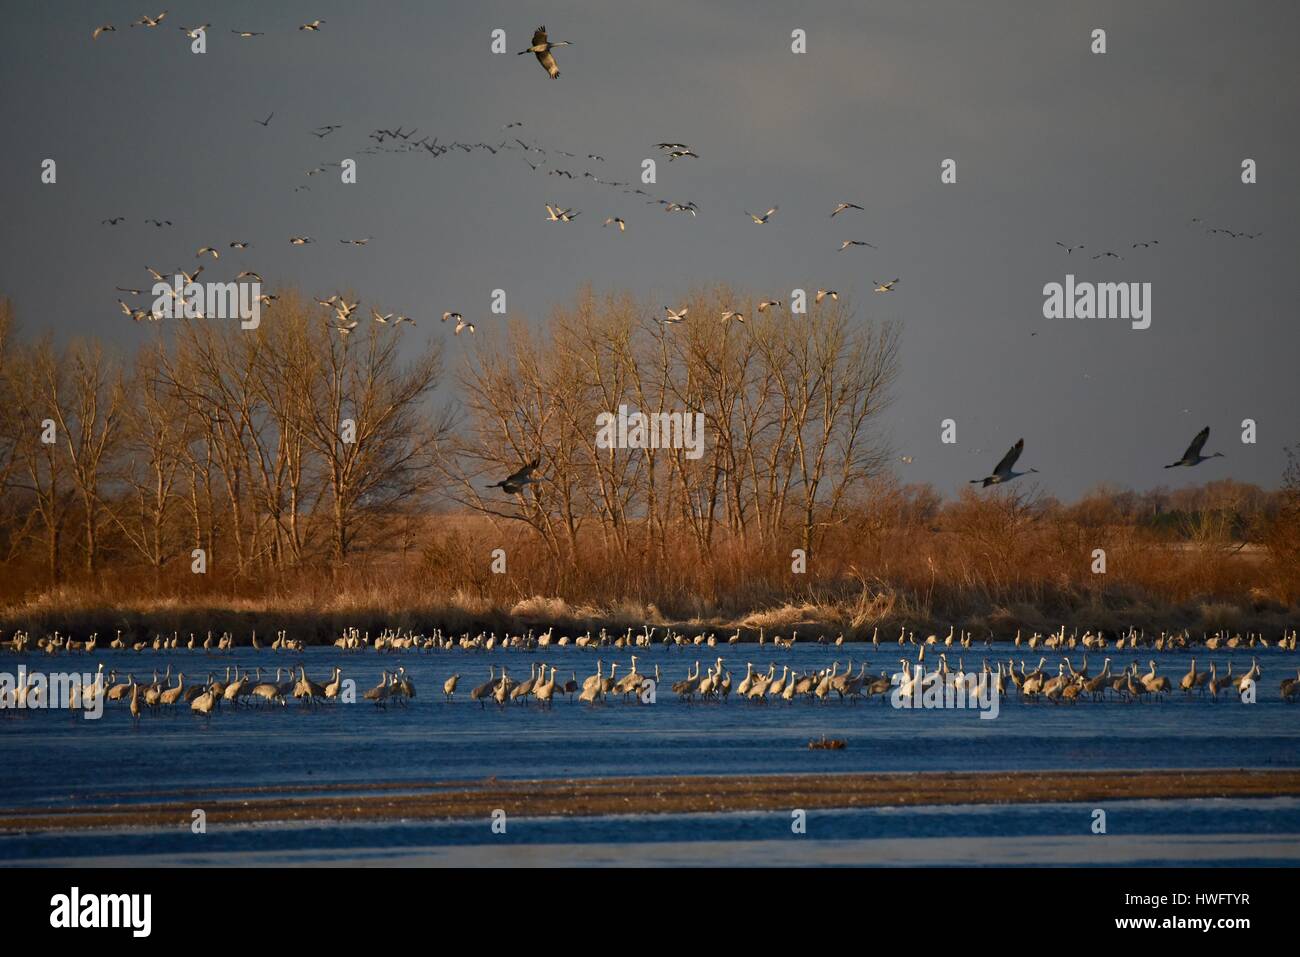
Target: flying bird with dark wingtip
{"x": 1193, "y": 454}
{"x": 823, "y": 293}
{"x": 555, "y": 214}
{"x": 841, "y": 207}
{"x": 139, "y": 315}
{"x": 1069, "y": 249}
{"x": 1004, "y": 470}
{"x": 514, "y": 483}
{"x": 616, "y": 221}
{"x": 543, "y": 47}
{"x": 760, "y": 220}
{"x": 106, "y": 28}
{"x": 885, "y": 286}
{"x": 313, "y": 26}
{"x": 854, "y": 242}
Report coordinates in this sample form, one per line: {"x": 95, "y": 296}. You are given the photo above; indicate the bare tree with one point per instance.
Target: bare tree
{"x": 87, "y": 420}
{"x": 36, "y": 379}
{"x": 791, "y": 405}
{"x": 365, "y": 418}
{"x": 9, "y": 428}
{"x": 155, "y": 437}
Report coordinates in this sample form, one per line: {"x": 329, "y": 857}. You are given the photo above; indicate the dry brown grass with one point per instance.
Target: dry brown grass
{"x": 987, "y": 564}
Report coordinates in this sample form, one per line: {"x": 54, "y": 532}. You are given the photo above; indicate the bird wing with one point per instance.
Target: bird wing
{"x": 539, "y": 35}
{"x": 524, "y": 474}
{"x": 1198, "y": 443}
{"x": 548, "y": 62}
{"x": 1009, "y": 460}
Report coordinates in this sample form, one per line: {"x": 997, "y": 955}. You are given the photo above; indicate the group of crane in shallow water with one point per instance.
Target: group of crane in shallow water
{"x": 57, "y": 643}
{"x": 714, "y": 683}
{"x": 855, "y": 683}
{"x": 397, "y": 641}
{"x": 160, "y": 695}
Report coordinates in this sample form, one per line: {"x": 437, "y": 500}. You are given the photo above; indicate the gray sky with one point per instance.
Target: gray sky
{"x": 1052, "y": 143}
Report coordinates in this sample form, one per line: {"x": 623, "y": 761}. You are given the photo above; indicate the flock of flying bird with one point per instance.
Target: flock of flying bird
{"x": 674, "y": 151}
{"x": 192, "y": 33}
{"x": 1004, "y": 471}
{"x": 542, "y": 47}
{"x": 1147, "y": 244}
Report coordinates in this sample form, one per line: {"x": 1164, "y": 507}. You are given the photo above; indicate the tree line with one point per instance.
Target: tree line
{"x": 294, "y": 450}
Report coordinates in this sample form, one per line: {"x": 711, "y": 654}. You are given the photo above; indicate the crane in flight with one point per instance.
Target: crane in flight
{"x": 1004, "y": 470}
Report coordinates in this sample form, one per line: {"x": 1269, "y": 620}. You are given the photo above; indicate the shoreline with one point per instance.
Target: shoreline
{"x": 323, "y": 629}
{"x": 590, "y": 797}
{"x": 319, "y": 621}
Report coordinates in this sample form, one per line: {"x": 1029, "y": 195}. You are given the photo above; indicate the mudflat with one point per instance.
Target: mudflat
{"x": 573, "y": 797}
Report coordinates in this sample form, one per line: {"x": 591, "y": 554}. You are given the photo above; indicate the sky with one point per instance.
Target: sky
{"x": 1052, "y": 143}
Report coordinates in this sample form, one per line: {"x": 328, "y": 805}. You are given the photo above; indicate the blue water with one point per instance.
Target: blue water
{"x": 55, "y": 759}
{"x": 1213, "y": 832}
